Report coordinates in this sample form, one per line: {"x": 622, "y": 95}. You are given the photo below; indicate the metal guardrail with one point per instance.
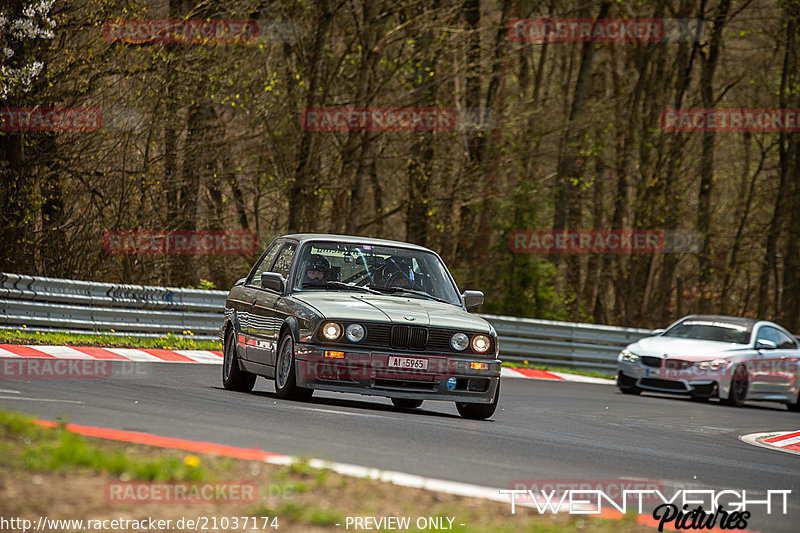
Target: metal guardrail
{"x": 50, "y": 304}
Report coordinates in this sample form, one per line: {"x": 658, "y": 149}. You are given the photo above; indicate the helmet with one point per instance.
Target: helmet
{"x": 317, "y": 263}
{"x": 397, "y": 274}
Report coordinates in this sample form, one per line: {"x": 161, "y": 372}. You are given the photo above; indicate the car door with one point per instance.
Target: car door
{"x": 251, "y": 292}
{"x": 266, "y": 321}
{"x": 774, "y": 375}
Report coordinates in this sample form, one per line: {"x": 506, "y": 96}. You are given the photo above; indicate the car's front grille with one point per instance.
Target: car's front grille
{"x": 409, "y": 337}
{"x": 662, "y": 384}
{"x": 676, "y": 364}
{"x": 654, "y": 362}
{"x": 402, "y": 337}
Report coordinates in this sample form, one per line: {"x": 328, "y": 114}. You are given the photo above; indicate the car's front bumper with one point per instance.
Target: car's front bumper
{"x": 682, "y": 381}
{"x": 446, "y": 377}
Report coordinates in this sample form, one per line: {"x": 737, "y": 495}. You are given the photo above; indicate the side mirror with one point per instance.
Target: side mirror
{"x": 272, "y": 281}
{"x": 657, "y": 332}
{"x": 240, "y": 282}
{"x": 472, "y": 298}
{"x": 764, "y": 344}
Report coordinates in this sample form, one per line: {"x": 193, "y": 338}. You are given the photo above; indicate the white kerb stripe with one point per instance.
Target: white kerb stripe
{"x": 135, "y": 355}
{"x": 201, "y": 356}
{"x": 63, "y": 352}
{"x": 6, "y": 353}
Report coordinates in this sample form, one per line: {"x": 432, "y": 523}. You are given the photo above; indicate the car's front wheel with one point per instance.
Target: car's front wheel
{"x": 405, "y": 403}
{"x": 738, "y": 391}
{"x": 285, "y": 377}
{"x": 626, "y": 384}
{"x": 478, "y": 411}
{"x": 234, "y": 378}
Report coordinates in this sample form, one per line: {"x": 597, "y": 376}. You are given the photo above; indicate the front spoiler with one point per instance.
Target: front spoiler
{"x": 368, "y": 373}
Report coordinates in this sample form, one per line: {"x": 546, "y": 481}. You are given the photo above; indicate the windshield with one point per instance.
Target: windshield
{"x": 374, "y": 269}
{"x": 710, "y": 330}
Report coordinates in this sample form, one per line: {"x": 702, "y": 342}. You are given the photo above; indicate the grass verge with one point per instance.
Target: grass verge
{"x": 53, "y": 473}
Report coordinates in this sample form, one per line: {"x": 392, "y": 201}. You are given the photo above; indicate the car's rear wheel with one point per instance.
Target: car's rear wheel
{"x": 234, "y": 378}
{"x": 478, "y": 411}
{"x": 405, "y": 403}
{"x": 738, "y": 391}
{"x": 285, "y": 378}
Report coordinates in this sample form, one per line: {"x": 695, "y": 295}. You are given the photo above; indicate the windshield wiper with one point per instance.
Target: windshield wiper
{"x": 393, "y": 290}
{"x": 339, "y": 285}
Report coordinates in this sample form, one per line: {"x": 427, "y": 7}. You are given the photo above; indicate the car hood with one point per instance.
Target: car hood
{"x": 687, "y": 349}
{"x": 392, "y": 309}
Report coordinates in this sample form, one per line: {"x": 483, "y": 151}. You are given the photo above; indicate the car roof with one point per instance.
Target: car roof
{"x": 304, "y": 237}
{"x": 739, "y": 321}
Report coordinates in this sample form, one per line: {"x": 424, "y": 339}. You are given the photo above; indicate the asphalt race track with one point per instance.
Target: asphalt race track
{"x": 542, "y": 430}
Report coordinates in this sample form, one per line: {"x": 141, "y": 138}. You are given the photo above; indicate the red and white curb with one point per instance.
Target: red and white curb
{"x": 535, "y": 373}
{"x": 784, "y": 441}
{"x": 144, "y": 355}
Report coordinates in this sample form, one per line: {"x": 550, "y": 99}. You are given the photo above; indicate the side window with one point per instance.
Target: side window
{"x": 770, "y": 334}
{"x": 264, "y": 265}
{"x": 284, "y": 261}
{"x": 785, "y": 342}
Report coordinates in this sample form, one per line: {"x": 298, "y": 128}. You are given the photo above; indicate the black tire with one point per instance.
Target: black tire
{"x": 405, "y": 403}
{"x": 233, "y": 377}
{"x": 285, "y": 378}
{"x": 738, "y": 392}
{"x": 794, "y": 406}
{"x": 478, "y": 411}
{"x": 627, "y": 389}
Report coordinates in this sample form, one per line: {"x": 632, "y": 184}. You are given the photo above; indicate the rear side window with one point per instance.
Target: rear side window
{"x": 265, "y": 263}
{"x": 284, "y": 261}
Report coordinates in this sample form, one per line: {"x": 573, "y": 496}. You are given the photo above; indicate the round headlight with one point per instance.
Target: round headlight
{"x": 331, "y": 330}
{"x": 480, "y": 343}
{"x": 459, "y": 342}
{"x": 355, "y": 332}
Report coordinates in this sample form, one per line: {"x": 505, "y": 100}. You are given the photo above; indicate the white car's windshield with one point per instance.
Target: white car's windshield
{"x": 710, "y": 330}
{"x": 374, "y": 269}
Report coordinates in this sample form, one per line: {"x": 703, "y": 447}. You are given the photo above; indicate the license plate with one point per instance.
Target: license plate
{"x": 408, "y": 362}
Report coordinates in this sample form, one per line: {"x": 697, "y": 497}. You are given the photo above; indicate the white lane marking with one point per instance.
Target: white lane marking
{"x": 135, "y": 355}
{"x": 333, "y": 411}
{"x": 756, "y": 439}
{"x": 39, "y": 399}
{"x": 201, "y": 356}
{"x": 583, "y": 379}
{"x": 63, "y": 352}
{"x": 8, "y": 391}
{"x": 510, "y": 373}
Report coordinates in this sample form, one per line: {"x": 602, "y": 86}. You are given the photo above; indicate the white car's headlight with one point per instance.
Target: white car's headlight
{"x": 717, "y": 364}
{"x": 355, "y": 332}
{"x": 628, "y": 356}
{"x": 331, "y": 330}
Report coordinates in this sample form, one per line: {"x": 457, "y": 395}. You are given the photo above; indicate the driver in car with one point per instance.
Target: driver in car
{"x": 317, "y": 270}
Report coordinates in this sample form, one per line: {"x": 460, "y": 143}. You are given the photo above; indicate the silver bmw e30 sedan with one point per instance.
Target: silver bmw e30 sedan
{"x": 367, "y": 316}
